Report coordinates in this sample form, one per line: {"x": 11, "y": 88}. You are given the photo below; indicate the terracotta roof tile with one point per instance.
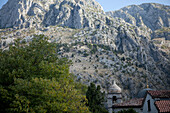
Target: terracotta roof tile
{"x": 159, "y": 94}
{"x": 137, "y": 102}
{"x": 163, "y": 106}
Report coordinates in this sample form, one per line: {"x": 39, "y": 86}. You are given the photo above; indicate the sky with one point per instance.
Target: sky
{"x": 111, "y": 5}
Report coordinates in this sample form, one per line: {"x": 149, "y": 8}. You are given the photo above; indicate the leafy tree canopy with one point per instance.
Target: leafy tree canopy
{"x": 33, "y": 79}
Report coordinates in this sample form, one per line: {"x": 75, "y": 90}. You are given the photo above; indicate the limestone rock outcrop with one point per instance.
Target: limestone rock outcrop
{"x": 36, "y": 13}
{"x": 151, "y": 15}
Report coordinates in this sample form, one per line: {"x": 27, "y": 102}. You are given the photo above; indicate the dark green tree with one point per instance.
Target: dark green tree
{"x": 95, "y": 99}
{"x": 33, "y": 79}
{"x": 127, "y": 111}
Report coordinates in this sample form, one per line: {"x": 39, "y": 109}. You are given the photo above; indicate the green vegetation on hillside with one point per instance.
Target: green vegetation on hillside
{"x": 33, "y": 79}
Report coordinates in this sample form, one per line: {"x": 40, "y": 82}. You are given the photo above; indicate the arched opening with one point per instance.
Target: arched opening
{"x": 114, "y": 99}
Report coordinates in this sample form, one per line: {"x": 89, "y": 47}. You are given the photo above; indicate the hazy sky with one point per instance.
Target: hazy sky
{"x": 111, "y": 5}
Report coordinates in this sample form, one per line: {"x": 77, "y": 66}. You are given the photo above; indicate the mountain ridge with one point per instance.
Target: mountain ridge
{"x": 71, "y": 13}
{"x": 154, "y": 16}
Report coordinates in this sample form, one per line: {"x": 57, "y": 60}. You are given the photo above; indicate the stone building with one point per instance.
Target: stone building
{"x": 157, "y": 101}
{"x": 148, "y": 101}
{"x": 136, "y": 104}
{"x": 114, "y": 96}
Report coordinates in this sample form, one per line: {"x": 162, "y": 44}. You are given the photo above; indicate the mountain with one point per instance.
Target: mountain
{"x": 102, "y": 48}
{"x": 153, "y": 17}
{"x": 32, "y": 13}
{"x": 150, "y": 15}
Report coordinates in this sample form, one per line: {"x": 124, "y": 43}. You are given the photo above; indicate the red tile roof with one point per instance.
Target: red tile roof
{"x": 163, "y": 106}
{"x": 133, "y": 103}
{"x": 159, "y": 94}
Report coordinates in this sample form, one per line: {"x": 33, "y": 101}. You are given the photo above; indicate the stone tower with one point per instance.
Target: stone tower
{"x": 114, "y": 96}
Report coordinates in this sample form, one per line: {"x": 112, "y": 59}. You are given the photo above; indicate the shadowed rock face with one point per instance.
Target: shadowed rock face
{"x": 70, "y": 13}
{"x": 151, "y": 15}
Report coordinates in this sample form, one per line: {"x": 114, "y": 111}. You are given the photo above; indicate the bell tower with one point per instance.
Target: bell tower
{"x": 114, "y": 96}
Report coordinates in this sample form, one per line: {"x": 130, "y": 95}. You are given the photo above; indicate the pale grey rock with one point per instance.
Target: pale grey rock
{"x": 36, "y": 13}
{"x": 151, "y": 15}
{"x": 162, "y": 33}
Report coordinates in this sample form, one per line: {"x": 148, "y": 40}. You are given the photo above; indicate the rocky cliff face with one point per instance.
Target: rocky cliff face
{"x": 36, "y": 13}
{"x": 151, "y": 15}
{"x": 103, "y": 49}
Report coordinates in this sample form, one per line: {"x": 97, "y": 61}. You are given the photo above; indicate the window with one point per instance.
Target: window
{"x": 149, "y": 105}
{"x": 114, "y": 99}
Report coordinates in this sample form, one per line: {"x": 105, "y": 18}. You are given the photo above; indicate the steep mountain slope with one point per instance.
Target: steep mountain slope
{"x": 151, "y": 15}
{"x": 103, "y": 49}
{"x": 71, "y": 13}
